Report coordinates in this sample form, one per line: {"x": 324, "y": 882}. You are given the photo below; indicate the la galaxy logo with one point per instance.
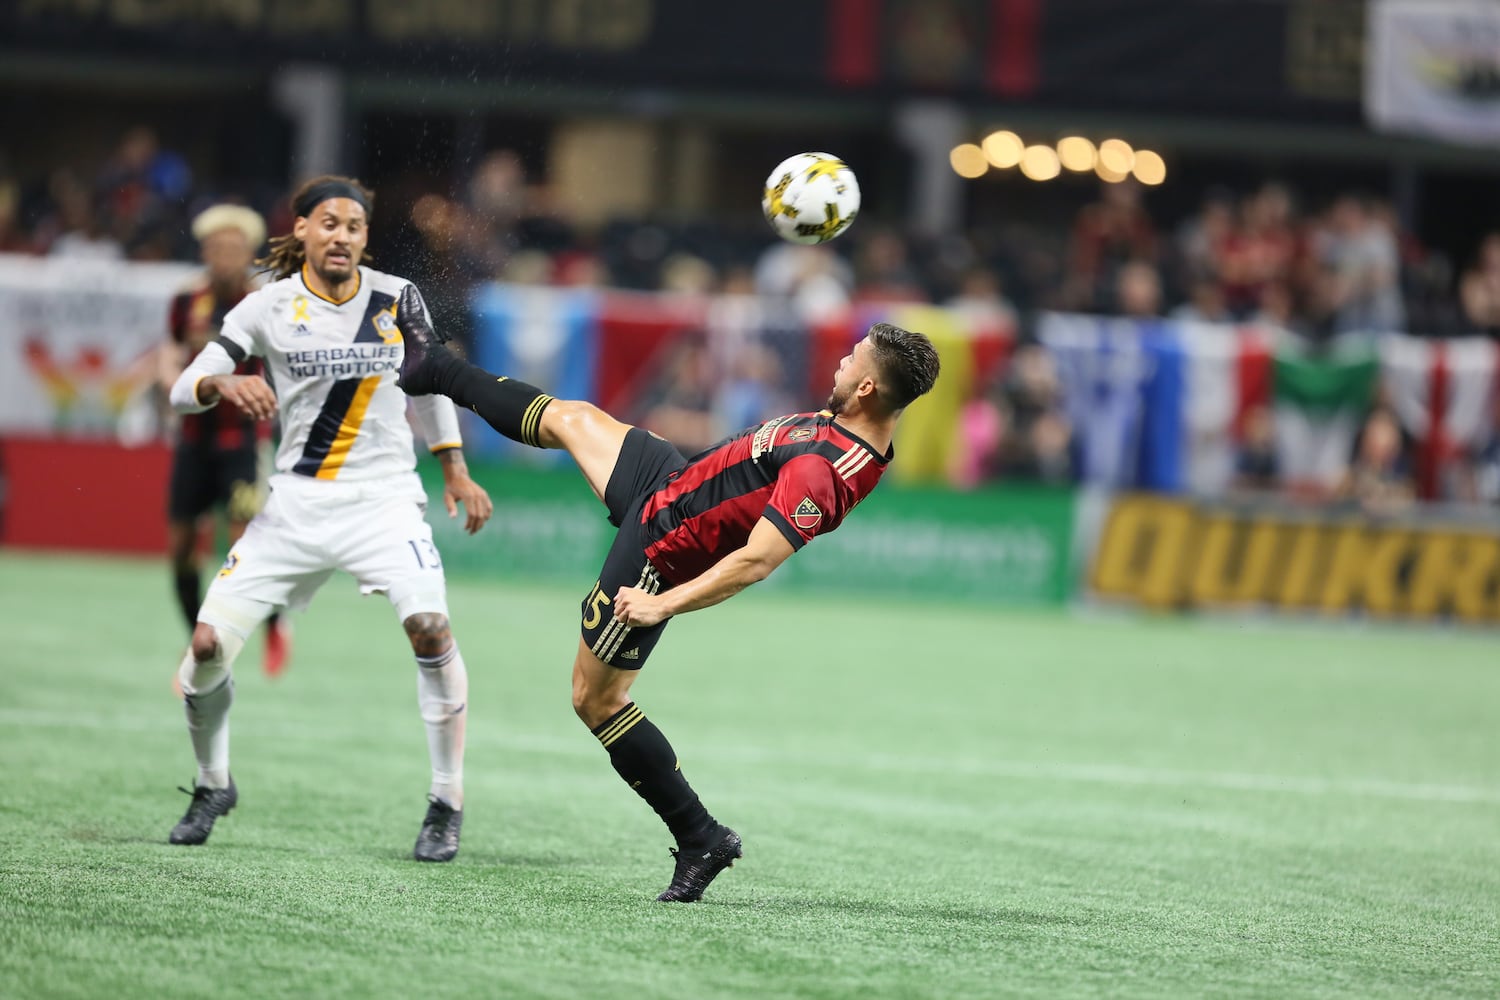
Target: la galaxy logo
{"x": 385, "y": 325}
{"x": 300, "y": 316}
{"x": 229, "y": 564}
{"x": 807, "y": 515}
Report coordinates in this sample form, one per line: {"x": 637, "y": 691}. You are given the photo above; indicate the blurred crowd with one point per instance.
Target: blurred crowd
{"x": 1322, "y": 271}
{"x": 134, "y": 205}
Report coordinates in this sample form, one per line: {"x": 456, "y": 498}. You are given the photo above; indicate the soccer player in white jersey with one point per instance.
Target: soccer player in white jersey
{"x": 345, "y": 494}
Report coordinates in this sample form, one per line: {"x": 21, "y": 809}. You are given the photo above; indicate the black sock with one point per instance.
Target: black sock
{"x": 188, "y": 595}
{"x": 643, "y": 757}
{"x": 511, "y": 407}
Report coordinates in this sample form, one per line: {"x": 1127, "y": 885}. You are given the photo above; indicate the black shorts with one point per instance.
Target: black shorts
{"x": 206, "y": 478}
{"x": 645, "y": 461}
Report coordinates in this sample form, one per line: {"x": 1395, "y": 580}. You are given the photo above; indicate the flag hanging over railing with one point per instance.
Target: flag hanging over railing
{"x": 1432, "y": 67}
{"x": 1162, "y": 405}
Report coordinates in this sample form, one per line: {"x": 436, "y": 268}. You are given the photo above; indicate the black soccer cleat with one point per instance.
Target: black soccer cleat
{"x": 424, "y": 357}
{"x": 438, "y": 840}
{"x": 208, "y": 805}
{"x": 695, "y": 869}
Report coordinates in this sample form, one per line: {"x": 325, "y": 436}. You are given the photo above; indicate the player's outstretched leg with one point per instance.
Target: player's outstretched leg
{"x": 511, "y": 407}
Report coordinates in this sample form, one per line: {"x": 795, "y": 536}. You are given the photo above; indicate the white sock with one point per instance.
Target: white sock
{"x": 443, "y": 697}
{"x": 208, "y": 716}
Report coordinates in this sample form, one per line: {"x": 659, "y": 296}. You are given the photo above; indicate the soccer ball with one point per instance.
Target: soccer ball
{"x": 810, "y": 198}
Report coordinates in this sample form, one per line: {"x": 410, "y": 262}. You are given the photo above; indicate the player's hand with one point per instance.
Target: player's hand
{"x": 638, "y": 609}
{"x": 251, "y": 394}
{"x": 460, "y": 489}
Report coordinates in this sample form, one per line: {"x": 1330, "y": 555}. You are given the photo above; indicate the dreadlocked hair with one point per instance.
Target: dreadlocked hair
{"x": 284, "y": 258}
{"x": 286, "y": 254}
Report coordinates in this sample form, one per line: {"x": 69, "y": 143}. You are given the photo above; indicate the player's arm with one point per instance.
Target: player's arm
{"x": 459, "y": 488}
{"x": 210, "y": 379}
{"x": 766, "y": 549}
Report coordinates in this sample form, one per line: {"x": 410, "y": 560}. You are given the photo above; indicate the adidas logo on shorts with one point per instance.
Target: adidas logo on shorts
{"x": 631, "y": 654}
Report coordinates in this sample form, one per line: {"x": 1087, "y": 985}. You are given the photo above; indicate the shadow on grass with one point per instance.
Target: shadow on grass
{"x": 906, "y": 911}
{"x": 482, "y": 859}
{"x": 219, "y": 845}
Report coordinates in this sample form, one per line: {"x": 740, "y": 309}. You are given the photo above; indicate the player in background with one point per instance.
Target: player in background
{"x": 345, "y": 494}
{"x": 217, "y": 458}
{"x": 692, "y": 533}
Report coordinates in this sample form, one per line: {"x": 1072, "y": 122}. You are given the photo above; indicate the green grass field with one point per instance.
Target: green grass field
{"x": 935, "y": 801}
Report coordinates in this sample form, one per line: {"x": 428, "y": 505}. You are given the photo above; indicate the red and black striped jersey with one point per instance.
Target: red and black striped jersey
{"x": 802, "y": 471}
{"x": 194, "y": 320}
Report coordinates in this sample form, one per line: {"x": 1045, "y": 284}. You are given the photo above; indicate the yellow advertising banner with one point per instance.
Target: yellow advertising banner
{"x": 1170, "y": 553}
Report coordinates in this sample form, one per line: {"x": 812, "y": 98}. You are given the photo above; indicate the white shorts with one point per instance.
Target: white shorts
{"x": 374, "y": 531}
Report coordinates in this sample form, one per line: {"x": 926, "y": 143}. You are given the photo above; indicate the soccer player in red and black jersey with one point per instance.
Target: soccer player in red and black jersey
{"x": 692, "y": 533}
{"x": 217, "y": 459}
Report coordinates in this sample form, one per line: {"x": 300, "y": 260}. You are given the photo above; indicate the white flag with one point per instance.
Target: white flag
{"x": 1432, "y": 67}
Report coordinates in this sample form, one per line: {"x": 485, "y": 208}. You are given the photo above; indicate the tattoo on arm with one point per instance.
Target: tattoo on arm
{"x": 452, "y": 460}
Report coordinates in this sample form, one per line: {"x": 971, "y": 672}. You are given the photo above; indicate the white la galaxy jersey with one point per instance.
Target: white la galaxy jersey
{"x": 333, "y": 365}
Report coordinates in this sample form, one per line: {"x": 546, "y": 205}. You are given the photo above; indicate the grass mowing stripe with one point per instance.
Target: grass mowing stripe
{"x": 1107, "y": 774}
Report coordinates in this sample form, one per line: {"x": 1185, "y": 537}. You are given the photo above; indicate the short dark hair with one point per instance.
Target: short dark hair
{"x": 907, "y": 361}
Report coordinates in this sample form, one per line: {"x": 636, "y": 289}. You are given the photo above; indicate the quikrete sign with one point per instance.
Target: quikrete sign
{"x": 1169, "y": 553}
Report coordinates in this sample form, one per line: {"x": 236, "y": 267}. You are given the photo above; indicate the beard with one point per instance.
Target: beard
{"x": 836, "y": 400}
{"x": 336, "y": 273}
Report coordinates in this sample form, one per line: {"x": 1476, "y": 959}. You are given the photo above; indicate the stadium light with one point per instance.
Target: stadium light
{"x": 1003, "y": 149}
{"x": 1116, "y": 156}
{"x": 1108, "y": 175}
{"x": 1149, "y": 167}
{"x": 968, "y": 160}
{"x": 1076, "y": 153}
{"x": 1040, "y": 163}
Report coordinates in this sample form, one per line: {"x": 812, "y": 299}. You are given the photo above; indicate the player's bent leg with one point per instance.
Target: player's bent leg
{"x": 645, "y": 760}
{"x": 443, "y": 699}
{"x": 277, "y": 651}
{"x": 600, "y": 691}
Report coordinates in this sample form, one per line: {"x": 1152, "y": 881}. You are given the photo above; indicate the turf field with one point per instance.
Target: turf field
{"x": 935, "y": 802}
